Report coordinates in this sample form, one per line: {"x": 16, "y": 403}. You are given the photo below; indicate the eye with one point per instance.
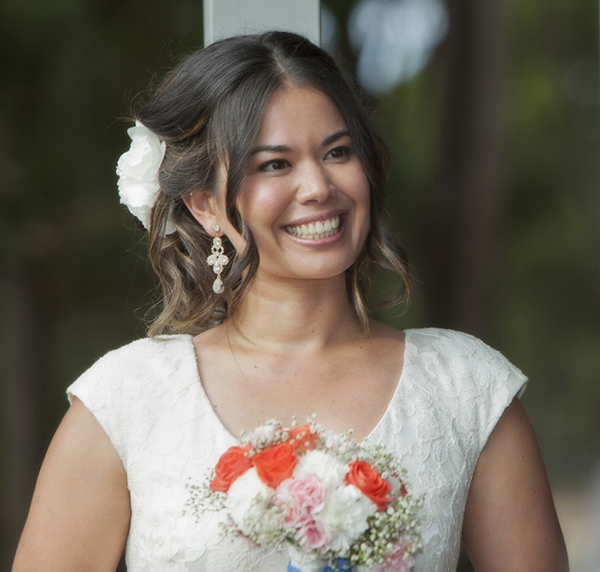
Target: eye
{"x": 274, "y": 165}
{"x": 340, "y": 152}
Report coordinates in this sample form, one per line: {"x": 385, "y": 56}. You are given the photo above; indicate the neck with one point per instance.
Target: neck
{"x": 298, "y": 315}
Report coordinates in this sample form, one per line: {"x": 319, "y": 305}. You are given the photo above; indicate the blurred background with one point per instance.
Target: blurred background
{"x": 490, "y": 109}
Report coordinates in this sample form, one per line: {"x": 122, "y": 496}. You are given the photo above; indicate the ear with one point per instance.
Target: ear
{"x": 201, "y": 205}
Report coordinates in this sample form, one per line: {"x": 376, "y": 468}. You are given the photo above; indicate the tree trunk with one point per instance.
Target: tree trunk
{"x": 468, "y": 200}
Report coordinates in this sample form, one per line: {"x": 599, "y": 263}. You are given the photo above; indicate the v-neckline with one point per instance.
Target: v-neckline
{"x": 236, "y": 440}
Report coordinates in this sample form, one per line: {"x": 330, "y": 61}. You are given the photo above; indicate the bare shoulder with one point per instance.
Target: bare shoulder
{"x": 385, "y": 333}
{"x": 211, "y": 343}
{"x": 510, "y": 520}
{"x": 385, "y": 350}
{"x": 79, "y": 515}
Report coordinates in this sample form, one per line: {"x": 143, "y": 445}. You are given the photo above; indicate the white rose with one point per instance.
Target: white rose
{"x": 138, "y": 169}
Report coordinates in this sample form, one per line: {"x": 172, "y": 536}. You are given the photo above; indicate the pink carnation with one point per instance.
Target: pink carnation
{"x": 313, "y": 536}
{"x": 301, "y": 499}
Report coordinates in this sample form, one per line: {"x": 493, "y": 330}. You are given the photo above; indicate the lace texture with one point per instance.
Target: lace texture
{"x": 149, "y": 399}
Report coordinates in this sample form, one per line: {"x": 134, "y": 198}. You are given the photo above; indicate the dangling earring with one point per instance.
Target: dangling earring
{"x": 218, "y": 260}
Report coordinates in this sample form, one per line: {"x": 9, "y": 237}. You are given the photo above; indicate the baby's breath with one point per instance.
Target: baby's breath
{"x": 391, "y": 534}
{"x": 201, "y": 499}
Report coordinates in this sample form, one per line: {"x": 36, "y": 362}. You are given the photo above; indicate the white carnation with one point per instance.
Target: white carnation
{"x": 138, "y": 169}
{"x": 330, "y": 471}
{"x": 247, "y": 501}
{"x": 345, "y": 515}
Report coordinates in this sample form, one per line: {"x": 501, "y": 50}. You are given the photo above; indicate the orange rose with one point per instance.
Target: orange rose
{"x": 232, "y": 464}
{"x": 370, "y": 483}
{"x": 275, "y": 463}
{"x": 303, "y": 439}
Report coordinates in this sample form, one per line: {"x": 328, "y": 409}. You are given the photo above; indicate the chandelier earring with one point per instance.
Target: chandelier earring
{"x": 218, "y": 260}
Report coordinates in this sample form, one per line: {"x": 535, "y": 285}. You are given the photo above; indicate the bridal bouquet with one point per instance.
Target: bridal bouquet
{"x": 336, "y": 504}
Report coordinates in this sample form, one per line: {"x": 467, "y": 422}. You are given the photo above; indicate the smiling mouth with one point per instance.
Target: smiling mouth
{"x": 315, "y": 230}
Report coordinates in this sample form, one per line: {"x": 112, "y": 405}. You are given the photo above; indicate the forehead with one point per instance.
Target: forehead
{"x": 294, "y": 112}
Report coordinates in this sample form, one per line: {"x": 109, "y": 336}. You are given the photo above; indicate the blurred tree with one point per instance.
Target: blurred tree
{"x": 460, "y": 230}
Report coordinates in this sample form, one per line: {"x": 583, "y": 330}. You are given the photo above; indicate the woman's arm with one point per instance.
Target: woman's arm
{"x": 79, "y": 515}
{"x": 510, "y": 521}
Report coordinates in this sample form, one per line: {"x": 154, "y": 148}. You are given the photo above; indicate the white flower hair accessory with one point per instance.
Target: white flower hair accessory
{"x": 137, "y": 169}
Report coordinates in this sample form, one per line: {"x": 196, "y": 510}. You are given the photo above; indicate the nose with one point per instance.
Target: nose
{"x": 314, "y": 184}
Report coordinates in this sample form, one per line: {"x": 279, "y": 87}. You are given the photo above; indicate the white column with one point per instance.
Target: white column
{"x": 224, "y": 18}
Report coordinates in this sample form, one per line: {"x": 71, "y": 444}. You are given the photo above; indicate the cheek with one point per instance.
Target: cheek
{"x": 260, "y": 207}
{"x": 254, "y": 210}
{"x": 355, "y": 180}
{"x": 362, "y": 194}
{"x": 363, "y": 202}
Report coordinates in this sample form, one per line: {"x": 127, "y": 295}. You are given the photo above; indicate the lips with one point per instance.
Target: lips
{"x": 315, "y": 230}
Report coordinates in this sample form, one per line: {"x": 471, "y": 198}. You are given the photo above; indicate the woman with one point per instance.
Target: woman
{"x": 267, "y": 222}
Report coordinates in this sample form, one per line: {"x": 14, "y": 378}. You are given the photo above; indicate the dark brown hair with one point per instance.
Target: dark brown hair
{"x": 208, "y": 111}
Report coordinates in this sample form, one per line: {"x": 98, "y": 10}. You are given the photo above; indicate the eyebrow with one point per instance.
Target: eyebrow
{"x": 285, "y": 149}
{"x": 334, "y": 137}
{"x": 271, "y": 148}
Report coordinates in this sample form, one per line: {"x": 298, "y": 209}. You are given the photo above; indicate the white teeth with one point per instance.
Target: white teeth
{"x": 319, "y": 229}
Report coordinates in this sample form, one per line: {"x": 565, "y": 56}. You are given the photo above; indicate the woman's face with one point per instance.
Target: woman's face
{"x": 305, "y": 196}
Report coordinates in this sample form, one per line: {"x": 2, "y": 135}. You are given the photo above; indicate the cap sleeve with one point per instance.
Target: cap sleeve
{"x": 480, "y": 383}
{"x": 103, "y": 389}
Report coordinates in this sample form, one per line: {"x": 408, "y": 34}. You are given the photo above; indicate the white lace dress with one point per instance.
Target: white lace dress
{"x": 149, "y": 399}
